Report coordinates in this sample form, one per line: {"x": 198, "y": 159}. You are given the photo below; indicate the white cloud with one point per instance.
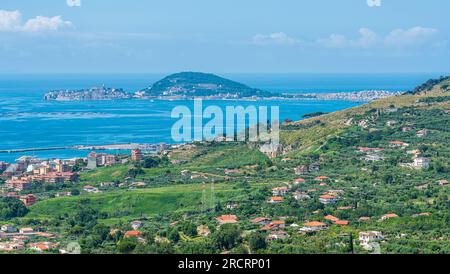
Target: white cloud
{"x": 415, "y": 36}
{"x": 41, "y": 23}
{"x": 278, "y": 38}
{"x": 11, "y": 21}
{"x": 366, "y": 39}
{"x": 374, "y": 3}
{"x": 74, "y": 3}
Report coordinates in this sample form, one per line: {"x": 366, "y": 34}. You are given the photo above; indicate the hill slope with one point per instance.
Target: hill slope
{"x": 315, "y": 131}
{"x": 192, "y": 84}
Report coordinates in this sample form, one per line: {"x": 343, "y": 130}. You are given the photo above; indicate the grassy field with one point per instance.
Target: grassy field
{"x": 135, "y": 203}
{"x": 106, "y": 174}
{"x": 201, "y": 159}
{"x": 227, "y": 156}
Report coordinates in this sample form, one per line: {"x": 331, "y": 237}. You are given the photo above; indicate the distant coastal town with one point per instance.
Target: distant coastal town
{"x": 104, "y": 93}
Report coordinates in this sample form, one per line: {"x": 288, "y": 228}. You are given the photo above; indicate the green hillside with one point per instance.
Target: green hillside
{"x": 201, "y": 84}
{"x": 130, "y": 204}
{"x": 177, "y": 197}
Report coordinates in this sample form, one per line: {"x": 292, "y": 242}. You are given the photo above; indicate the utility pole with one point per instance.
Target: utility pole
{"x": 213, "y": 198}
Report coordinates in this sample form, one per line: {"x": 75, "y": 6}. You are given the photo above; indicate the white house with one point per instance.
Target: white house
{"x": 301, "y": 196}
{"x": 372, "y": 158}
{"x": 136, "y": 225}
{"x": 8, "y": 228}
{"x": 280, "y": 191}
{"x": 421, "y": 163}
{"x": 367, "y": 238}
{"x": 328, "y": 199}
{"x": 26, "y": 230}
{"x": 91, "y": 189}
{"x": 277, "y": 235}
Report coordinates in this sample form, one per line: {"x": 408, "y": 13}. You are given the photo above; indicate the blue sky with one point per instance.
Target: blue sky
{"x": 224, "y": 36}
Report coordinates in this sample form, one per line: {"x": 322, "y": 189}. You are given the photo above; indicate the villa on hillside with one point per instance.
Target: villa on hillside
{"x": 418, "y": 163}
{"x": 301, "y": 196}
{"x": 422, "y": 133}
{"x": 276, "y": 200}
{"x": 227, "y": 219}
{"x": 321, "y": 178}
{"x": 277, "y": 235}
{"x": 328, "y": 199}
{"x": 260, "y": 221}
{"x": 372, "y": 158}
{"x": 389, "y": 216}
{"x": 280, "y": 191}
{"x": 398, "y": 144}
{"x": 331, "y": 218}
{"x": 366, "y": 239}
{"x": 313, "y": 227}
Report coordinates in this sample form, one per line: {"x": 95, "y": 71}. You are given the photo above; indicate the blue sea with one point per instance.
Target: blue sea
{"x": 27, "y": 121}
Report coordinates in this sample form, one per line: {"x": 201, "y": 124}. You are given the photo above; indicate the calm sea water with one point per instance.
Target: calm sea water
{"x": 27, "y": 121}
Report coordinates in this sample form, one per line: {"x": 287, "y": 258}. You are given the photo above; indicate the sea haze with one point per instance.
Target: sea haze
{"x": 27, "y": 121}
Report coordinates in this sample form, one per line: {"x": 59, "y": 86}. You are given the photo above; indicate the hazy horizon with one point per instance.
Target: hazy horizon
{"x": 224, "y": 37}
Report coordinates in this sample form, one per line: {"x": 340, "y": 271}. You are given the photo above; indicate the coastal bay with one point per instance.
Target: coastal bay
{"x": 27, "y": 121}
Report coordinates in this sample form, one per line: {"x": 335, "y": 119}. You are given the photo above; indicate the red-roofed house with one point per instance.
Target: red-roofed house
{"x": 133, "y": 233}
{"x": 227, "y": 219}
{"x": 280, "y": 191}
{"x": 331, "y": 218}
{"x": 389, "y": 216}
{"x": 260, "y": 221}
{"x": 321, "y": 178}
{"x": 328, "y": 199}
{"x": 342, "y": 222}
{"x": 313, "y": 226}
{"x": 276, "y": 200}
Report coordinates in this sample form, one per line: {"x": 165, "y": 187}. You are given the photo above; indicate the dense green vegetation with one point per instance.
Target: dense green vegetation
{"x": 184, "y": 192}
{"x": 11, "y": 208}
{"x": 202, "y": 84}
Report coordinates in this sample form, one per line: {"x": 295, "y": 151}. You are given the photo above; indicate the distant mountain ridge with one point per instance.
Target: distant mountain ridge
{"x": 197, "y": 84}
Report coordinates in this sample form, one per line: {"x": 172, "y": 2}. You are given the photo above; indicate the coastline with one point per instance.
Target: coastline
{"x": 360, "y": 96}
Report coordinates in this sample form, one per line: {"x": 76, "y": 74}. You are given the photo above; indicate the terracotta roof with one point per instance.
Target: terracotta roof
{"x": 331, "y": 218}
{"x": 327, "y": 197}
{"x": 258, "y": 220}
{"x": 277, "y": 199}
{"x": 280, "y": 188}
{"x": 315, "y": 224}
{"x": 341, "y": 222}
{"x": 321, "y": 178}
{"x": 277, "y": 223}
{"x": 391, "y": 215}
{"x": 227, "y": 219}
{"x": 300, "y": 180}
{"x": 133, "y": 233}
{"x": 266, "y": 228}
